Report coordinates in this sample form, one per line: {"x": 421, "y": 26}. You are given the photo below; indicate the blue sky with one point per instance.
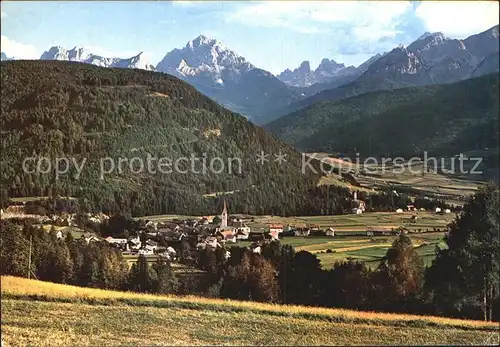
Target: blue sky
{"x": 272, "y": 35}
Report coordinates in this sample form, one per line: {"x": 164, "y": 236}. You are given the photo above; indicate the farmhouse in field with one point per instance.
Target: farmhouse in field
{"x": 360, "y": 205}
{"x": 276, "y": 228}
{"x": 411, "y": 207}
{"x": 330, "y": 232}
{"x": 302, "y": 231}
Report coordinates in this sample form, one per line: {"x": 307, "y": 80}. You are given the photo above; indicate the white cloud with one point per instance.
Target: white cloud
{"x": 458, "y": 19}
{"x": 184, "y": 3}
{"x": 367, "y": 20}
{"x": 18, "y": 50}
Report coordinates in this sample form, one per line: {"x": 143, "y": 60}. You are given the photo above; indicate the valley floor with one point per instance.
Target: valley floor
{"x": 350, "y": 241}
{"x": 44, "y": 314}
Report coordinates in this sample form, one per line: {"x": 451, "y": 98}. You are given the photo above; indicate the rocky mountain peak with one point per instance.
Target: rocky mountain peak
{"x": 305, "y": 67}
{"x": 83, "y": 55}
{"x": 201, "y": 40}
{"x": 205, "y": 57}
{"x": 329, "y": 66}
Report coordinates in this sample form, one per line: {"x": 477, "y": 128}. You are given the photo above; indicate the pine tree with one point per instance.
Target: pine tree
{"x": 14, "y": 250}
{"x": 465, "y": 275}
{"x": 167, "y": 280}
{"x": 143, "y": 278}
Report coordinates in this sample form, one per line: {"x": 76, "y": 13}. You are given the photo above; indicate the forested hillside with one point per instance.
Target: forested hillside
{"x": 62, "y": 109}
{"x": 443, "y": 120}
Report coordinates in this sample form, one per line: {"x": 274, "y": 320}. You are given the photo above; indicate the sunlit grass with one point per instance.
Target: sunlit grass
{"x": 16, "y": 287}
{"x": 39, "y": 313}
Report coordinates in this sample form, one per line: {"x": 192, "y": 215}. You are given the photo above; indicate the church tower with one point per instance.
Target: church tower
{"x": 223, "y": 223}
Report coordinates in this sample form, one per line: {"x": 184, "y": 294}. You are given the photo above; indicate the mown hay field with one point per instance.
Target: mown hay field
{"x": 39, "y": 313}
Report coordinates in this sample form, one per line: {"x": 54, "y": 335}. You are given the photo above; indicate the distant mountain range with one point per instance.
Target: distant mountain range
{"x": 82, "y": 55}
{"x": 303, "y": 76}
{"x": 232, "y": 81}
{"x": 227, "y": 78}
{"x": 431, "y": 59}
{"x": 327, "y": 72}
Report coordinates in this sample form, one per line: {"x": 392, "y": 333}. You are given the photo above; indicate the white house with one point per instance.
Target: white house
{"x": 135, "y": 240}
{"x": 399, "y": 210}
{"x": 411, "y": 207}
{"x": 112, "y": 240}
{"x": 151, "y": 248}
{"x": 145, "y": 252}
{"x": 59, "y": 234}
{"x": 273, "y": 235}
{"x": 330, "y": 232}
{"x": 278, "y": 228}
{"x": 230, "y": 239}
{"x": 171, "y": 250}
{"x": 242, "y": 234}
{"x": 90, "y": 238}
{"x": 151, "y": 224}
{"x": 438, "y": 209}
{"x": 302, "y": 231}
{"x": 169, "y": 253}
{"x": 447, "y": 210}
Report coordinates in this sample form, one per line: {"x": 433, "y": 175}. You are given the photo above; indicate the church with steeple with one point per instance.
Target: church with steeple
{"x": 223, "y": 216}
{"x": 230, "y": 230}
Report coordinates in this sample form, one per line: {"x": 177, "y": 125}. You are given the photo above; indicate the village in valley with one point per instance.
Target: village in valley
{"x": 167, "y": 236}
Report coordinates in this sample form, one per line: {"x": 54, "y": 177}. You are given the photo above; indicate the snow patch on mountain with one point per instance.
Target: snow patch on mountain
{"x": 206, "y": 58}
{"x": 83, "y": 55}
{"x": 4, "y": 57}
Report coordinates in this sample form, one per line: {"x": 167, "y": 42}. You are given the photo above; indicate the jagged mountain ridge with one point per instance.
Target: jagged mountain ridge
{"x": 303, "y": 76}
{"x": 207, "y": 58}
{"x": 228, "y": 78}
{"x": 431, "y": 59}
{"x": 83, "y": 55}
{"x": 234, "y": 82}
{"x": 326, "y": 81}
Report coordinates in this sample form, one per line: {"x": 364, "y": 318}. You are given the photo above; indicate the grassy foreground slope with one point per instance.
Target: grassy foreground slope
{"x": 41, "y": 313}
